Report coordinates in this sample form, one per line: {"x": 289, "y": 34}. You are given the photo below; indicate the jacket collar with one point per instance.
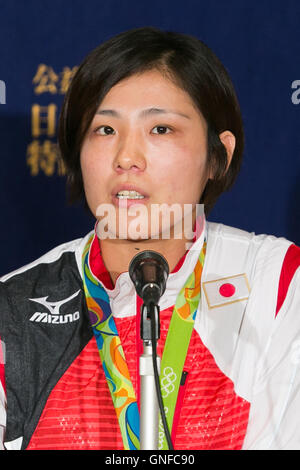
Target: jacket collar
{"x": 122, "y": 295}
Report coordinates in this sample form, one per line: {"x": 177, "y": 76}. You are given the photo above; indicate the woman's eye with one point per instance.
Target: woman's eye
{"x": 161, "y": 130}
{"x": 105, "y": 130}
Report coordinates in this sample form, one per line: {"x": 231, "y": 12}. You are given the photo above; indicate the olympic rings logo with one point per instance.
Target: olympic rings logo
{"x": 167, "y": 382}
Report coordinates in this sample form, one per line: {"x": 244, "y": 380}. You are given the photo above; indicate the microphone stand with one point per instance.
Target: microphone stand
{"x": 149, "y": 408}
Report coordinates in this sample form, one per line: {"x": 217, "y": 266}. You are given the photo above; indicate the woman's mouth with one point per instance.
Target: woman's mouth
{"x": 129, "y": 195}
{"x": 126, "y": 195}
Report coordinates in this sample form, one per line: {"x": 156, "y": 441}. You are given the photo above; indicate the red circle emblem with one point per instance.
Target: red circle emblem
{"x": 227, "y": 290}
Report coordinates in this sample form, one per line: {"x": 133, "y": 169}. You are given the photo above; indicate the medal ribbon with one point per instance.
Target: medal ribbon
{"x": 113, "y": 358}
{"x": 112, "y": 355}
{"x": 177, "y": 343}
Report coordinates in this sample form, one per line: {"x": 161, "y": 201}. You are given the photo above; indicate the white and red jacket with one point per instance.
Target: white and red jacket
{"x": 241, "y": 382}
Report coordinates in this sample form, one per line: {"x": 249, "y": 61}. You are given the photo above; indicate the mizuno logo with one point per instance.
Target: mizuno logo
{"x": 53, "y": 315}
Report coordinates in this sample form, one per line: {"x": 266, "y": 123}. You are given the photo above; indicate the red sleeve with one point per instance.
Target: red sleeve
{"x": 290, "y": 264}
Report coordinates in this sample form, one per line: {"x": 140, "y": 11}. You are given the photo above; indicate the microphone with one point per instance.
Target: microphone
{"x": 149, "y": 272}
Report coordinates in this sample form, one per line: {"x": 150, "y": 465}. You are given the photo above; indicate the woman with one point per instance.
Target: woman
{"x": 151, "y": 120}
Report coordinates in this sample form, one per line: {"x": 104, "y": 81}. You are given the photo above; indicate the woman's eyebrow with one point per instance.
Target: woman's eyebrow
{"x": 108, "y": 112}
{"x": 150, "y": 111}
{"x": 144, "y": 113}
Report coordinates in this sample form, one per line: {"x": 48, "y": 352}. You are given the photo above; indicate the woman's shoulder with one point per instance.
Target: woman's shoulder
{"x": 51, "y": 280}
{"x": 221, "y": 230}
{"x": 225, "y": 237}
{"x": 233, "y": 250}
{"x": 52, "y": 269}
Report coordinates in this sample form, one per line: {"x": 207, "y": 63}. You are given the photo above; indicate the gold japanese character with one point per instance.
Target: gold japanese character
{"x": 45, "y": 79}
{"x": 45, "y": 157}
{"x": 43, "y": 120}
{"x": 66, "y": 77}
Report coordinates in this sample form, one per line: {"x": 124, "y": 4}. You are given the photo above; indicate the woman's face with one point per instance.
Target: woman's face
{"x": 147, "y": 136}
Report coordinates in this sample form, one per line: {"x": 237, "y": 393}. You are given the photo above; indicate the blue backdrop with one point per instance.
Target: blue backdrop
{"x": 42, "y": 42}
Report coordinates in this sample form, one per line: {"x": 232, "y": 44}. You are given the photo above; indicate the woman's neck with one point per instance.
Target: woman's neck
{"x": 118, "y": 253}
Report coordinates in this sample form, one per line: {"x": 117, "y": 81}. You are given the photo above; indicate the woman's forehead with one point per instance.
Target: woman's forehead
{"x": 150, "y": 92}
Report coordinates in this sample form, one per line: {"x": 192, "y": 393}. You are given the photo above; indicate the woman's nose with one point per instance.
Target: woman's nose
{"x": 130, "y": 156}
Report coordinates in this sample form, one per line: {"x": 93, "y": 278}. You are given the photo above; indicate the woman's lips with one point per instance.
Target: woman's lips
{"x": 127, "y": 201}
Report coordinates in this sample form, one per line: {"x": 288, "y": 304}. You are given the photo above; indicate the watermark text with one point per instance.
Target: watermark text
{"x": 154, "y": 221}
{"x": 2, "y": 92}
{"x": 296, "y": 94}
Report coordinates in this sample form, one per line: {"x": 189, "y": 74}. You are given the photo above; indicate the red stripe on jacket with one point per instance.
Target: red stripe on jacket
{"x": 290, "y": 264}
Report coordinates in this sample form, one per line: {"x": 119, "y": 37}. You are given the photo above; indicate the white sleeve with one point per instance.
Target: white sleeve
{"x": 274, "y": 420}
{"x": 2, "y": 398}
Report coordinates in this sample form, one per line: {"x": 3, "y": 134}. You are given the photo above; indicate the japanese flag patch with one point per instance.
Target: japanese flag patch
{"x": 226, "y": 290}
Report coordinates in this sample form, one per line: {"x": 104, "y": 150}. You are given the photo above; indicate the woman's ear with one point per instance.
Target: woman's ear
{"x": 228, "y": 140}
